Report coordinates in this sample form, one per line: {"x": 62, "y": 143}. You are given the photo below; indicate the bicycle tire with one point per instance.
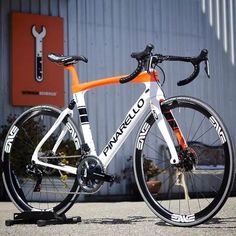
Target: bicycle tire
{"x": 53, "y": 193}
{"x": 180, "y": 196}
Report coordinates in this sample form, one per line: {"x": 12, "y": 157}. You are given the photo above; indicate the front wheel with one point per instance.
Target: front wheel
{"x": 193, "y": 191}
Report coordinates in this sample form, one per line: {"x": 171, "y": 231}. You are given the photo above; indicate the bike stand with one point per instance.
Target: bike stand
{"x": 41, "y": 219}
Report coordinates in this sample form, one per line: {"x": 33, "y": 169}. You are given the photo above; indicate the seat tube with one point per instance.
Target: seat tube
{"x": 84, "y": 121}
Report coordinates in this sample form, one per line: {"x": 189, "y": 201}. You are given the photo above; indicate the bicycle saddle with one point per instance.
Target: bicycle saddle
{"x": 66, "y": 60}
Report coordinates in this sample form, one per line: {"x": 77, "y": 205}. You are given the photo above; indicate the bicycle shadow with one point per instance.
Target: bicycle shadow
{"x": 217, "y": 222}
{"x": 117, "y": 221}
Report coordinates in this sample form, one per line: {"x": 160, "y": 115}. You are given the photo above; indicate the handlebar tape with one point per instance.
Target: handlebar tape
{"x": 141, "y": 57}
{"x": 196, "y": 64}
{"x": 191, "y": 77}
{"x": 132, "y": 75}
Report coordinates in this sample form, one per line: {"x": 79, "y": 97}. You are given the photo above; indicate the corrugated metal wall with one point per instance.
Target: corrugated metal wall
{"x": 108, "y": 31}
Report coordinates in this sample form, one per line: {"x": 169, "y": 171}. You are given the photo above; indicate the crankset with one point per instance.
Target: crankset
{"x": 91, "y": 174}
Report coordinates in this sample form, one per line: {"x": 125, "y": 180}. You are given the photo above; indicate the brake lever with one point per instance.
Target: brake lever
{"x": 207, "y": 69}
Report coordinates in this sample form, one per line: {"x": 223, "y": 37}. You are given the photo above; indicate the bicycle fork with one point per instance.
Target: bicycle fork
{"x": 160, "y": 117}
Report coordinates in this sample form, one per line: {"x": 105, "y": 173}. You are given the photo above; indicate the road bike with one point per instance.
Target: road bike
{"x": 183, "y": 156}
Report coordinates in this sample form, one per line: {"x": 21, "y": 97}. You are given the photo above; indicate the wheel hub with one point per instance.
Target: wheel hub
{"x": 188, "y": 159}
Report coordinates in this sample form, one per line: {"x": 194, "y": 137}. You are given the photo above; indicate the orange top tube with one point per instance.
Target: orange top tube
{"x": 78, "y": 87}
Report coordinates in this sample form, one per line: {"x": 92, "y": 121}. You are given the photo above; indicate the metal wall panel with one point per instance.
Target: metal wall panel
{"x": 107, "y": 31}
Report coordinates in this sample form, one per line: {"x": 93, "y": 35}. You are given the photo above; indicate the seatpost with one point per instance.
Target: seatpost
{"x": 74, "y": 77}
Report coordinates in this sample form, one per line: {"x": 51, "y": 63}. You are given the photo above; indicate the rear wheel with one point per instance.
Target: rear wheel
{"x": 193, "y": 191}
{"x": 37, "y": 188}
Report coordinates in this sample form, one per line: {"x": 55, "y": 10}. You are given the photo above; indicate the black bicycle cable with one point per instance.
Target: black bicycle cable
{"x": 164, "y": 76}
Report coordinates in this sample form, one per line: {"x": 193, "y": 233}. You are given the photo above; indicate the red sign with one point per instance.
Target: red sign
{"x": 36, "y": 80}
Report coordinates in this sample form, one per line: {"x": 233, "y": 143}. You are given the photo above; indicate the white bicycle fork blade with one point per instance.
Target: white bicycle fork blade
{"x": 160, "y": 121}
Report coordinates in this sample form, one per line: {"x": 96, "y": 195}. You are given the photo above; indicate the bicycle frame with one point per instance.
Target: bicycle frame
{"x": 149, "y": 99}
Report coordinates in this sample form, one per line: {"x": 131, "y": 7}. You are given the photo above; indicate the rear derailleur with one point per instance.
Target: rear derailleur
{"x": 35, "y": 172}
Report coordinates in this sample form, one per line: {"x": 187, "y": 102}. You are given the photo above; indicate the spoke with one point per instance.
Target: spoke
{"x": 172, "y": 185}
{"x": 169, "y": 193}
{"x": 215, "y": 141}
{"x": 203, "y": 133}
{"x": 191, "y": 125}
{"x": 189, "y": 209}
{"x": 24, "y": 181}
{"x": 46, "y": 191}
{"x": 200, "y": 179}
{"x": 54, "y": 186}
{"x": 24, "y": 143}
{"x": 203, "y": 151}
{"x": 32, "y": 195}
{"x": 29, "y": 138}
{"x": 157, "y": 152}
{"x": 157, "y": 163}
{"x": 169, "y": 189}
{"x": 194, "y": 187}
{"x": 157, "y": 137}
{"x": 30, "y": 189}
{"x": 167, "y": 178}
{"x": 201, "y": 193}
{"x": 179, "y": 199}
{"x": 210, "y": 172}
{"x": 198, "y": 128}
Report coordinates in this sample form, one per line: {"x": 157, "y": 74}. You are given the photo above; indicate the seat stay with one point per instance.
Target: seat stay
{"x": 35, "y": 156}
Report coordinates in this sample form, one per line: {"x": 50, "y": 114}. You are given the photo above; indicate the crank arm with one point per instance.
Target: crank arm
{"x": 100, "y": 176}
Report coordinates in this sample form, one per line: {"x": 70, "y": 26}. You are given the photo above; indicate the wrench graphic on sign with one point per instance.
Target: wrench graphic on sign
{"x": 39, "y": 52}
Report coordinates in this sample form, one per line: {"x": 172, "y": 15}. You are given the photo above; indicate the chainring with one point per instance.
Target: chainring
{"x": 88, "y": 165}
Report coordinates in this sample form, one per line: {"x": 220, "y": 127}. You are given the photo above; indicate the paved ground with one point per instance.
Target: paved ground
{"x": 122, "y": 218}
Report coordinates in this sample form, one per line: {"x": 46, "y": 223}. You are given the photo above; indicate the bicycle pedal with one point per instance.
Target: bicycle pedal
{"x": 117, "y": 179}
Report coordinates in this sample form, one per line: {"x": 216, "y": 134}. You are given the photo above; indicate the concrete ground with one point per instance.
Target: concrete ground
{"x": 120, "y": 218}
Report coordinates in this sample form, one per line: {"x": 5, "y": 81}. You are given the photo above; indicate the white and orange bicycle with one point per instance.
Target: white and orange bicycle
{"x": 182, "y": 144}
